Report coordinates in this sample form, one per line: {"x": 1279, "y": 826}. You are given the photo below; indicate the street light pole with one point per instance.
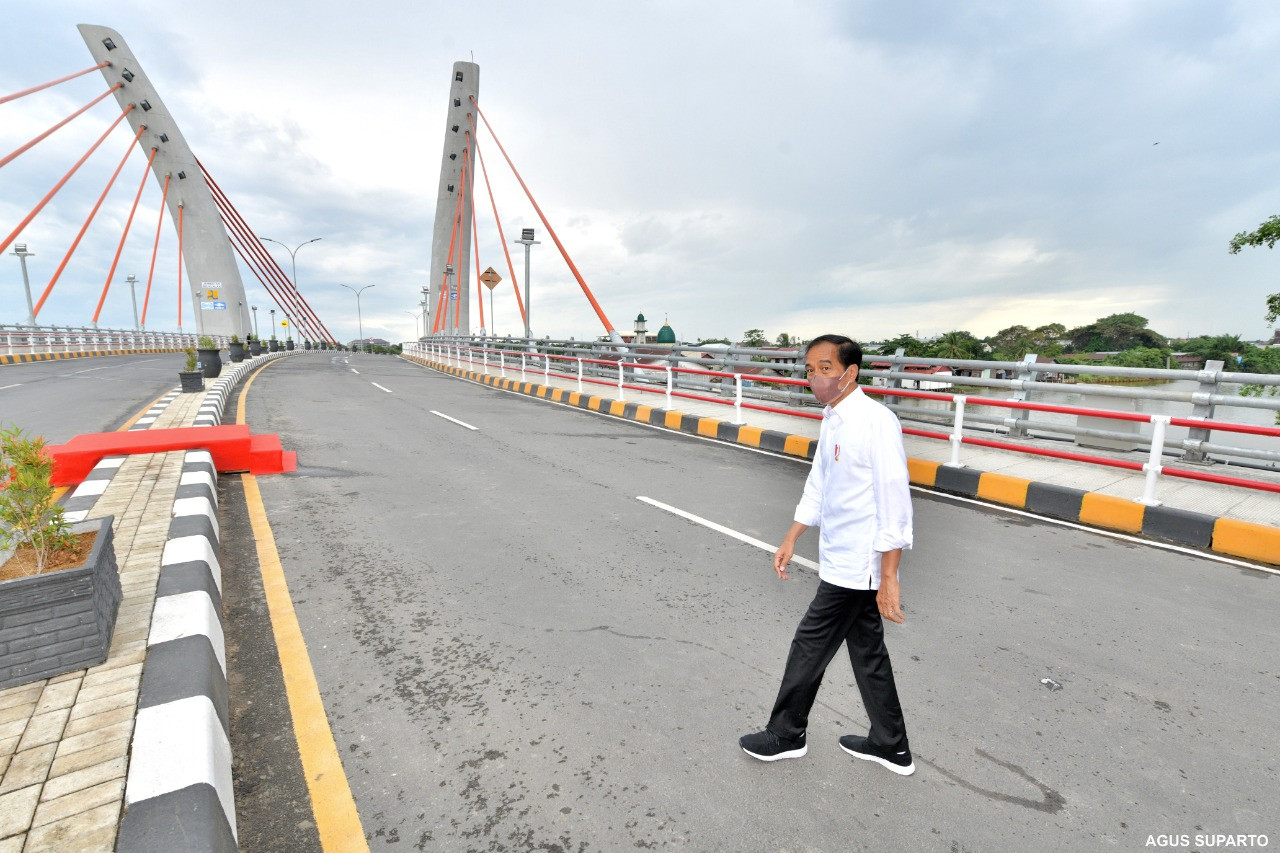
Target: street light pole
{"x": 273, "y": 324}
{"x": 415, "y": 315}
{"x": 426, "y": 307}
{"x": 293, "y": 254}
{"x": 526, "y": 240}
{"x": 21, "y": 253}
{"x": 133, "y": 291}
{"x": 256, "y": 336}
{"x": 359, "y": 317}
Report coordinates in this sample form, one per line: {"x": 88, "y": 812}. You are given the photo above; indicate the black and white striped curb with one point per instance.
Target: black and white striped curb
{"x": 179, "y": 795}
{"x": 157, "y": 408}
{"x": 215, "y": 398}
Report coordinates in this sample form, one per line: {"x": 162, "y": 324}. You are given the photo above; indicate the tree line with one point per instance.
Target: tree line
{"x": 1126, "y": 338}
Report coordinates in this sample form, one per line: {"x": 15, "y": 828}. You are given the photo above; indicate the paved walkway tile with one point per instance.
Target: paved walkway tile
{"x": 64, "y": 741}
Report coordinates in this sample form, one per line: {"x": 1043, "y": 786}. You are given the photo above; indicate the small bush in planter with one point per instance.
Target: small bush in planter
{"x": 206, "y": 342}
{"x": 31, "y": 522}
{"x": 191, "y": 379}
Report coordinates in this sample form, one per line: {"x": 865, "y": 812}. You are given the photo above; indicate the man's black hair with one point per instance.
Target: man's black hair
{"x": 847, "y": 349}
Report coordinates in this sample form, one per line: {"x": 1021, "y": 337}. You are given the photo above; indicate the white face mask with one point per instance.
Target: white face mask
{"x": 827, "y": 388}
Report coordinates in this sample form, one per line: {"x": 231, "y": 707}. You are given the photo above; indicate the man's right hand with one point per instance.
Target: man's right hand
{"x": 781, "y": 557}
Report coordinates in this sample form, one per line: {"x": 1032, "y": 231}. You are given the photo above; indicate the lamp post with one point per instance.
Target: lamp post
{"x": 359, "y": 318}
{"x": 526, "y": 240}
{"x": 293, "y": 254}
{"x": 426, "y": 307}
{"x": 273, "y": 324}
{"x": 256, "y": 336}
{"x": 133, "y": 291}
{"x": 21, "y": 253}
{"x": 415, "y": 315}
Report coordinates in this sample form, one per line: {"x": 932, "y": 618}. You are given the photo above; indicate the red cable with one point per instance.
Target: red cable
{"x": 146, "y": 300}
{"x": 83, "y": 228}
{"x": 58, "y": 126}
{"x": 127, "y": 225}
{"x": 475, "y": 243}
{"x": 502, "y": 238}
{"x": 32, "y": 215}
{"x": 265, "y": 263}
{"x": 17, "y": 95}
{"x": 453, "y": 237}
{"x": 581, "y": 282}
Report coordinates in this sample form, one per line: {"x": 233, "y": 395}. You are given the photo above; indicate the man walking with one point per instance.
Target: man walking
{"x": 857, "y": 492}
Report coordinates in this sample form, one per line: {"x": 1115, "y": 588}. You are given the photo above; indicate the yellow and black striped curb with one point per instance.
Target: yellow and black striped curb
{"x": 1245, "y": 539}
{"x": 58, "y": 356}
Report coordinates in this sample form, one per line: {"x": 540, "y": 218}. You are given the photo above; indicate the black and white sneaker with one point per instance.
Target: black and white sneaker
{"x": 898, "y": 762}
{"x": 767, "y": 746}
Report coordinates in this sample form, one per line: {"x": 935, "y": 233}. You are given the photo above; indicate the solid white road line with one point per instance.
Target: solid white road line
{"x": 454, "y": 420}
{"x": 356, "y": 372}
{"x": 720, "y": 528}
{"x": 14, "y": 385}
{"x": 376, "y": 385}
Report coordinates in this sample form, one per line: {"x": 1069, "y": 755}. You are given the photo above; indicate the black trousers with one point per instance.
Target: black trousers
{"x": 850, "y": 616}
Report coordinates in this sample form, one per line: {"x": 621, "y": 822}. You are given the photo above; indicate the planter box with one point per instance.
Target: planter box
{"x": 255, "y": 348}
{"x": 275, "y": 345}
{"x": 60, "y": 621}
{"x": 288, "y": 345}
{"x": 191, "y": 382}
{"x": 237, "y": 352}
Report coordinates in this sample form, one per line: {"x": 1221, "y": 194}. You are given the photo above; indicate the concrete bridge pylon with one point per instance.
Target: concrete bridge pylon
{"x": 213, "y": 281}
{"x": 457, "y": 176}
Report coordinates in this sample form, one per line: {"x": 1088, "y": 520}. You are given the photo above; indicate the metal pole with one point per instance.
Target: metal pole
{"x": 359, "y": 316}
{"x": 256, "y": 336}
{"x": 526, "y": 240}
{"x": 21, "y": 253}
{"x": 528, "y": 306}
{"x": 133, "y": 291}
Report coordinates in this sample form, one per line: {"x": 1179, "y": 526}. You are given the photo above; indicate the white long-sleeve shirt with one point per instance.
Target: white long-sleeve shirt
{"x": 857, "y": 492}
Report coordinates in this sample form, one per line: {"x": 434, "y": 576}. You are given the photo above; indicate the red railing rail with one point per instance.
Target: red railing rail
{"x": 1153, "y": 467}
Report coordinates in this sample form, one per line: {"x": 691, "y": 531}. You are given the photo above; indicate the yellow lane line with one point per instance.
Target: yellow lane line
{"x": 334, "y": 808}
{"x": 337, "y": 820}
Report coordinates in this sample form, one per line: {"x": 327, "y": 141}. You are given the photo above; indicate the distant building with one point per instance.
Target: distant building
{"x": 373, "y": 342}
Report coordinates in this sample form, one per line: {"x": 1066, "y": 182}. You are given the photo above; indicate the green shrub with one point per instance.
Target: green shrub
{"x": 29, "y": 515}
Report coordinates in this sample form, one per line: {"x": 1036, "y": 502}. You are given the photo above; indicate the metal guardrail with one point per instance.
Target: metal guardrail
{"x": 727, "y": 374}
{"x": 44, "y": 340}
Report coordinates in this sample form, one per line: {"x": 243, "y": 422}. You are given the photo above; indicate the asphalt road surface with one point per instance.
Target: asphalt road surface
{"x": 62, "y": 399}
{"x": 517, "y": 654}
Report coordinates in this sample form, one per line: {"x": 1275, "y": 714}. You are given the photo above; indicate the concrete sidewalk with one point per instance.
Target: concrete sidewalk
{"x": 64, "y": 742}
{"x": 1236, "y": 521}
{"x": 73, "y": 747}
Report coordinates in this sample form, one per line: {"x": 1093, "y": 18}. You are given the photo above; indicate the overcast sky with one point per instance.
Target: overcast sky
{"x": 870, "y": 168}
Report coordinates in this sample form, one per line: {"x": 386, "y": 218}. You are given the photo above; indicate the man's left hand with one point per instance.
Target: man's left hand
{"x": 887, "y": 599}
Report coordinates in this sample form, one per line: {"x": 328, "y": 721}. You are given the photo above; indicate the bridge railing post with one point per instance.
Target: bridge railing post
{"x": 1202, "y": 408}
{"x": 546, "y": 367}
{"x": 669, "y": 384}
{"x": 737, "y": 399}
{"x": 579, "y": 374}
{"x": 957, "y": 432}
{"x": 1159, "y": 423}
{"x": 621, "y": 370}
{"x": 1017, "y": 419}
